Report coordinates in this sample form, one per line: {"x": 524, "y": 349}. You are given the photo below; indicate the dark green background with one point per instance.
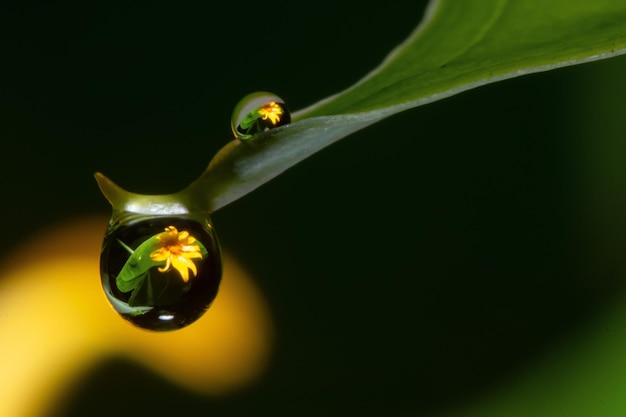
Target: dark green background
{"x": 409, "y": 267}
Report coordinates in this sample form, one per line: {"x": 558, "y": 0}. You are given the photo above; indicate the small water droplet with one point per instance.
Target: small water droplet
{"x": 161, "y": 272}
{"x": 258, "y": 112}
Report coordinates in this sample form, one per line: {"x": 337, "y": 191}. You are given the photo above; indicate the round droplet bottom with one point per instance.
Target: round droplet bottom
{"x": 161, "y": 273}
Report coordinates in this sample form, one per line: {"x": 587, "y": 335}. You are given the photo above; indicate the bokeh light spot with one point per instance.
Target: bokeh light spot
{"x": 55, "y": 324}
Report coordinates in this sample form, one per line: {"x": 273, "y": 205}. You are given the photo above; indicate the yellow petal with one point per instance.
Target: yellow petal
{"x": 192, "y": 266}
{"x": 160, "y": 255}
{"x": 181, "y": 267}
{"x": 166, "y": 267}
{"x": 189, "y": 263}
{"x": 192, "y": 254}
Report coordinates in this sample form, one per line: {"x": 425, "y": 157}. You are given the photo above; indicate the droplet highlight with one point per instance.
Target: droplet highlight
{"x": 258, "y": 112}
{"x": 161, "y": 272}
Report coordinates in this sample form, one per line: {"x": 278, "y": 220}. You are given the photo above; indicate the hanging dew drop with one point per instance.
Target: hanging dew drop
{"x": 161, "y": 272}
{"x": 161, "y": 264}
{"x": 258, "y": 112}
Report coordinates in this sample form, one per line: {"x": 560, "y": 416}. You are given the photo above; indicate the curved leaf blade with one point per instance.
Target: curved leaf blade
{"x": 457, "y": 47}
{"x": 463, "y": 45}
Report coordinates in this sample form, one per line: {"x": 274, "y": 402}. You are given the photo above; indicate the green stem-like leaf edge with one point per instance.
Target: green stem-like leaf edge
{"x": 458, "y": 46}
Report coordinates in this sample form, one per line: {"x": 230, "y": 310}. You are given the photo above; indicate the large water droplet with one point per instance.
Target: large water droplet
{"x": 258, "y": 112}
{"x": 161, "y": 272}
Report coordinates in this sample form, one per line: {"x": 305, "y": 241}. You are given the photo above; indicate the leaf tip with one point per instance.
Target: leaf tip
{"x": 111, "y": 191}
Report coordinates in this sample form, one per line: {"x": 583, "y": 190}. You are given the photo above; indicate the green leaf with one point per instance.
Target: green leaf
{"x": 459, "y": 45}
{"x": 142, "y": 298}
{"x": 465, "y": 44}
{"x": 136, "y": 268}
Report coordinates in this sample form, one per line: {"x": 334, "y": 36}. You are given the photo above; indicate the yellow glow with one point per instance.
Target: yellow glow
{"x": 55, "y": 322}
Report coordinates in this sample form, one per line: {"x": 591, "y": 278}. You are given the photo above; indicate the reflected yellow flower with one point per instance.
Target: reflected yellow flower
{"x": 271, "y": 111}
{"x": 177, "y": 249}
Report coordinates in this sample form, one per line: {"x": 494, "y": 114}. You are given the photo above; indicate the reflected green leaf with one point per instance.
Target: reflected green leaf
{"x": 137, "y": 266}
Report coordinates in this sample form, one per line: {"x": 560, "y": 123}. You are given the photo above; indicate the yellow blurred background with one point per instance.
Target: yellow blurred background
{"x": 56, "y": 325}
